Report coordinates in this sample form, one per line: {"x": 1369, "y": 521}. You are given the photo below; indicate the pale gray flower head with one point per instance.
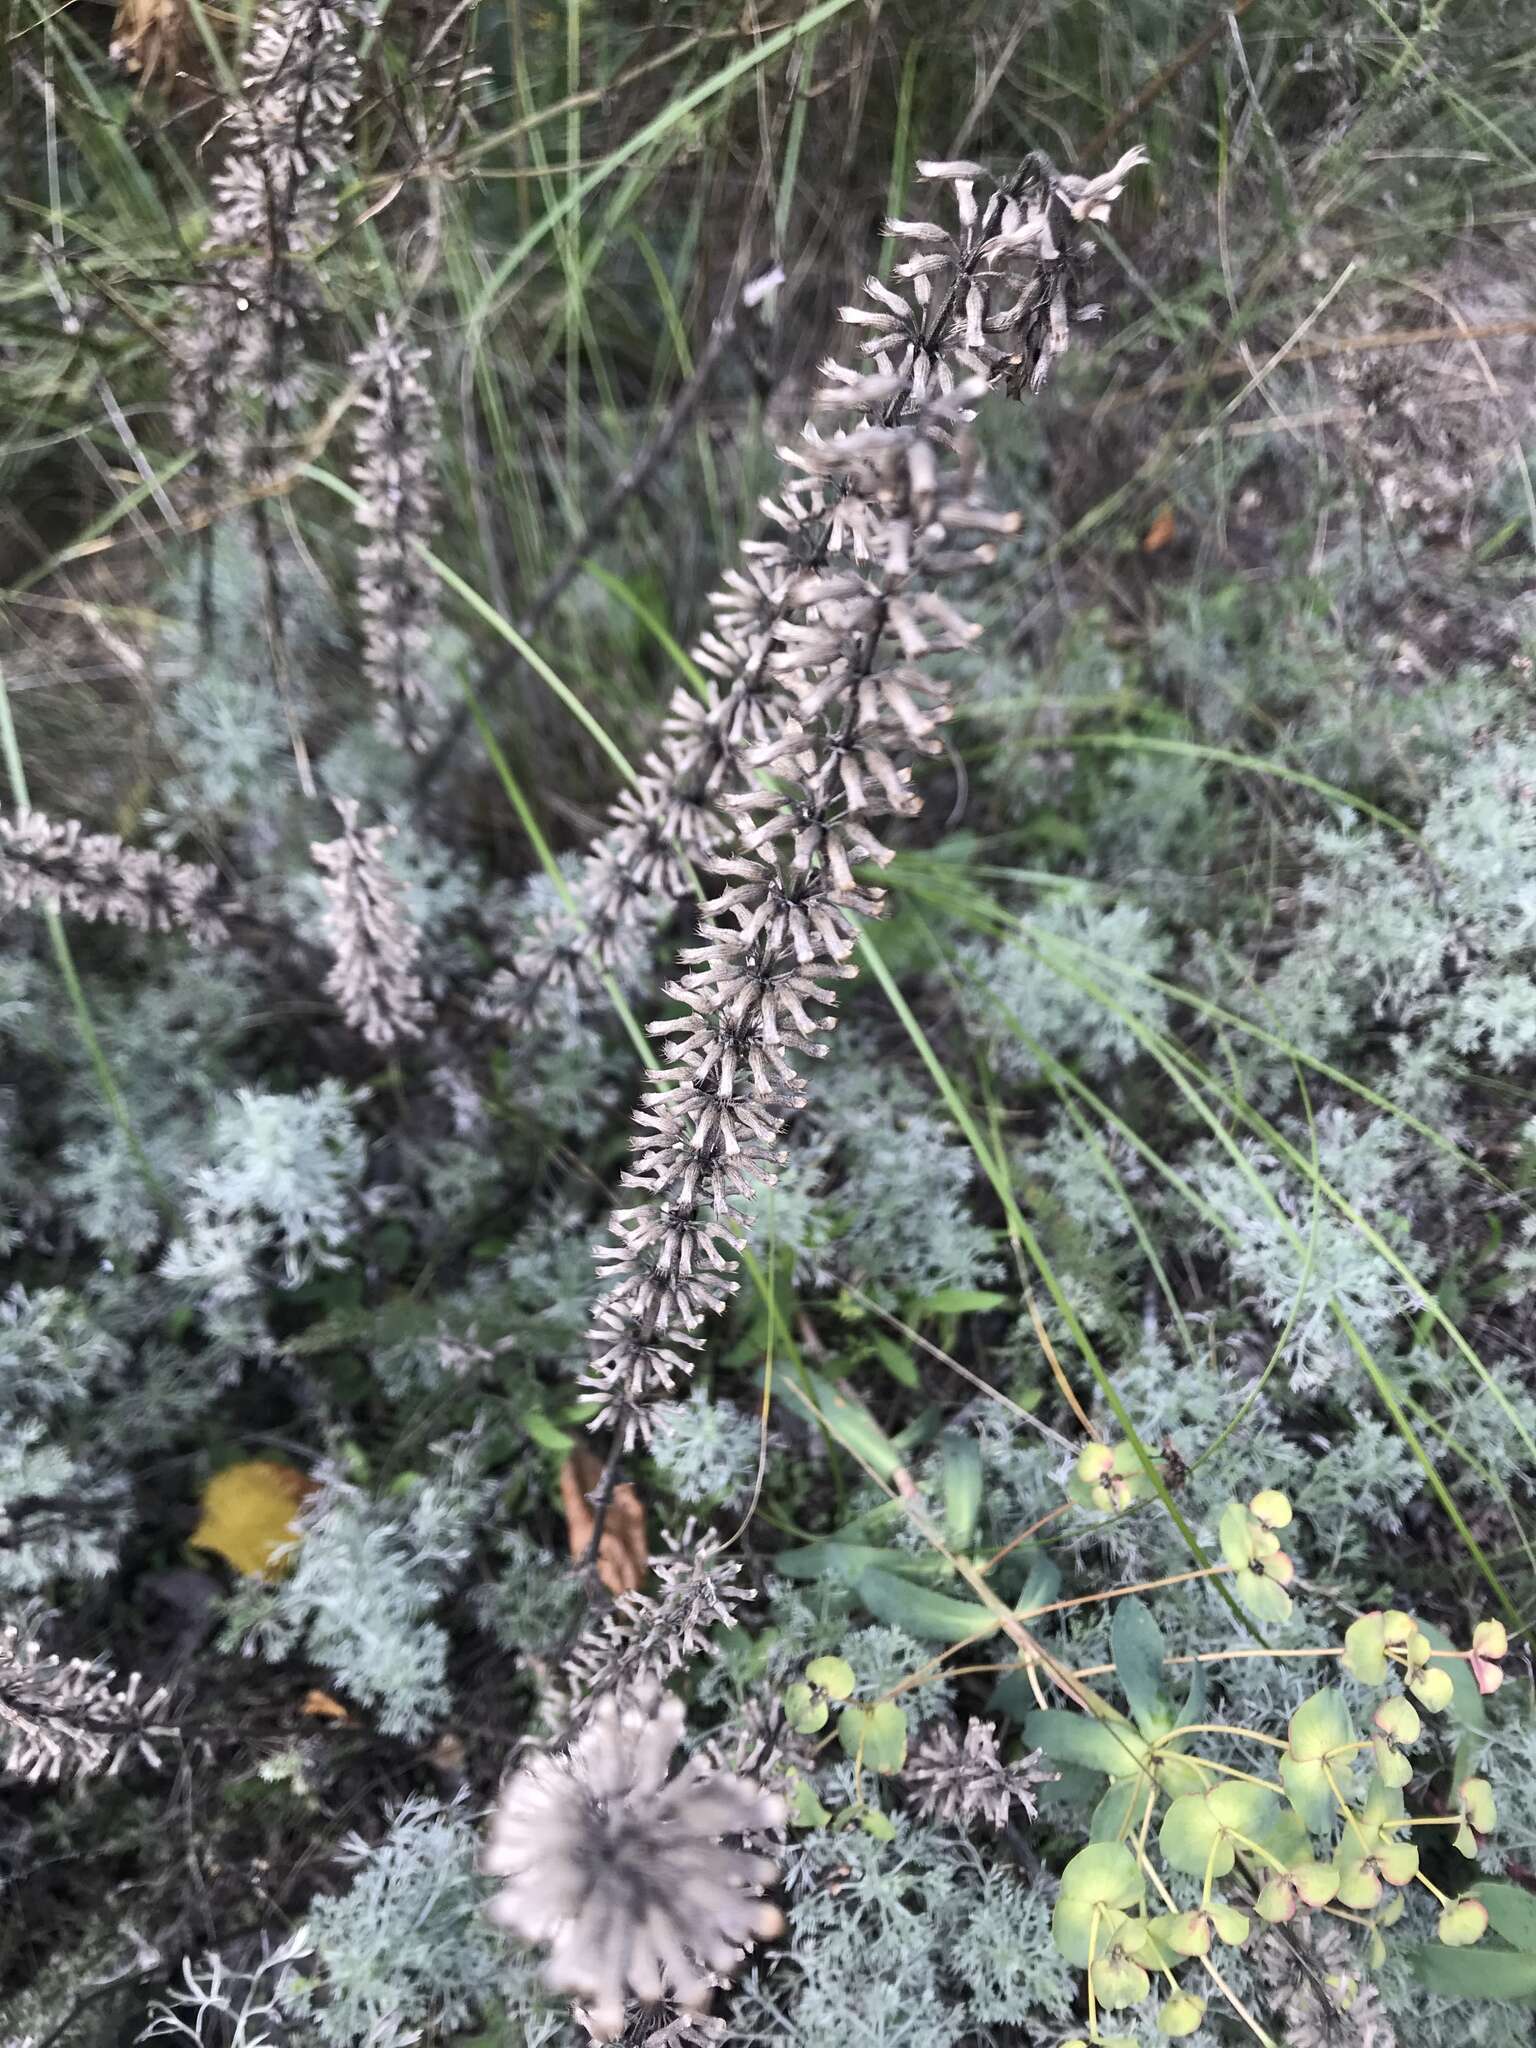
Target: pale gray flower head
{"x": 967, "y": 1780}
{"x": 632, "y": 1878}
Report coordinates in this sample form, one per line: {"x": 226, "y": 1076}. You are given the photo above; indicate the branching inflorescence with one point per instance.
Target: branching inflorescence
{"x": 56, "y": 864}
{"x": 821, "y": 694}
{"x": 396, "y": 592}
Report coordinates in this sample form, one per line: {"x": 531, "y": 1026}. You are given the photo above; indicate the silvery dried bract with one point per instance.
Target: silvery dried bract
{"x": 274, "y": 208}
{"x": 72, "y": 1719}
{"x": 632, "y": 1878}
{"x": 642, "y": 1636}
{"x": 375, "y": 945}
{"x": 56, "y": 864}
{"x": 397, "y": 593}
{"x": 966, "y": 1780}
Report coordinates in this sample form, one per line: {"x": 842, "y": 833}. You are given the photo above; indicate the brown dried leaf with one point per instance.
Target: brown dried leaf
{"x": 321, "y": 1707}
{"x": 622, "y": 1553}
{"x": 1162, "y": 530}
{"x": 147, "y": 37}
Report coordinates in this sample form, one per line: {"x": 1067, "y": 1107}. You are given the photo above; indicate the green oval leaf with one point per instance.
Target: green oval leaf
{"x": 1511, "y": 1913}
{"x": 930, "y": 1616}
{"x": 1136, "y": 1644}
{"x": 1110, "y": 1746}
{"x": 875, "y": 1736}
{"x": 962, "y": 1488}
{"x": 1473, "y": 1973}
{"x": 834, "y": 1675}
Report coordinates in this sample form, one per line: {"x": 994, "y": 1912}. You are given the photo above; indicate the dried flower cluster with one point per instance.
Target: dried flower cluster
{"x": 396, "y": 593}
{"x": 1317, "y": 1987}
{"x": 997, "y": 299}
{"x": 72, "y": 1719}
{"x": 966, "y": 1780}
{"x": 274, "y": 209}
{"x": 625, "y": 1872}
{"x": 642, "y": 1636}
{"x": 56, "y": 864}
{"x": 375, "y": 944}
{"x": 822, "y": 694}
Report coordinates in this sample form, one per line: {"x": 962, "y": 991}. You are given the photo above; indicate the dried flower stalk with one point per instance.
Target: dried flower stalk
{"x": 820, "y": 652}
{"x": 642, "y": 1637}
{"x": 997, "y": 298}
{"x": 59, "y": 1719}
{"x": 274, "y": 210}
{"x": 56, "y": 864}
{"x": 396, "y": 592}
{"x": 373, "y": 978}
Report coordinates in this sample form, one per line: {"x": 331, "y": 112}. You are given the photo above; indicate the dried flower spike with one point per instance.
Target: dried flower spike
{"x": 274, "y": 208}
{"x": 56, "y": 864}
{"x": 995, "y": 301}
{"x": 396, "y": 593}
{"x": 623, "y": 1872}
{"x": 375, "y": 944}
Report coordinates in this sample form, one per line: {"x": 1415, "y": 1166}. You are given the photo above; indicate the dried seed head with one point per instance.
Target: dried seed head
{"x": 623, "y": 1872}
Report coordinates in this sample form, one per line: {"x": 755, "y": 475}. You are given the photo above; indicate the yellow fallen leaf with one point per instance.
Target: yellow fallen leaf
{"x": 250, "y": 1511}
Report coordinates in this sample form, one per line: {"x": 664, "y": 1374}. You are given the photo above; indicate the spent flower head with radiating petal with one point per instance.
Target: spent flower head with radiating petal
{"x": 630, "y": 1874}
{"x": 966, "y": 1780}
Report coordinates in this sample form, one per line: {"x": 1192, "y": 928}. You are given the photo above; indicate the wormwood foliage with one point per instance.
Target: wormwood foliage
{"x": 520, "y": 616}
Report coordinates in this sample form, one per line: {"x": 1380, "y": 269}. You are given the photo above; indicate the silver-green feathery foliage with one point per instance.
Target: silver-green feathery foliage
{"x": 367, "y": 1578}
{"x": 405, "y": 1946}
